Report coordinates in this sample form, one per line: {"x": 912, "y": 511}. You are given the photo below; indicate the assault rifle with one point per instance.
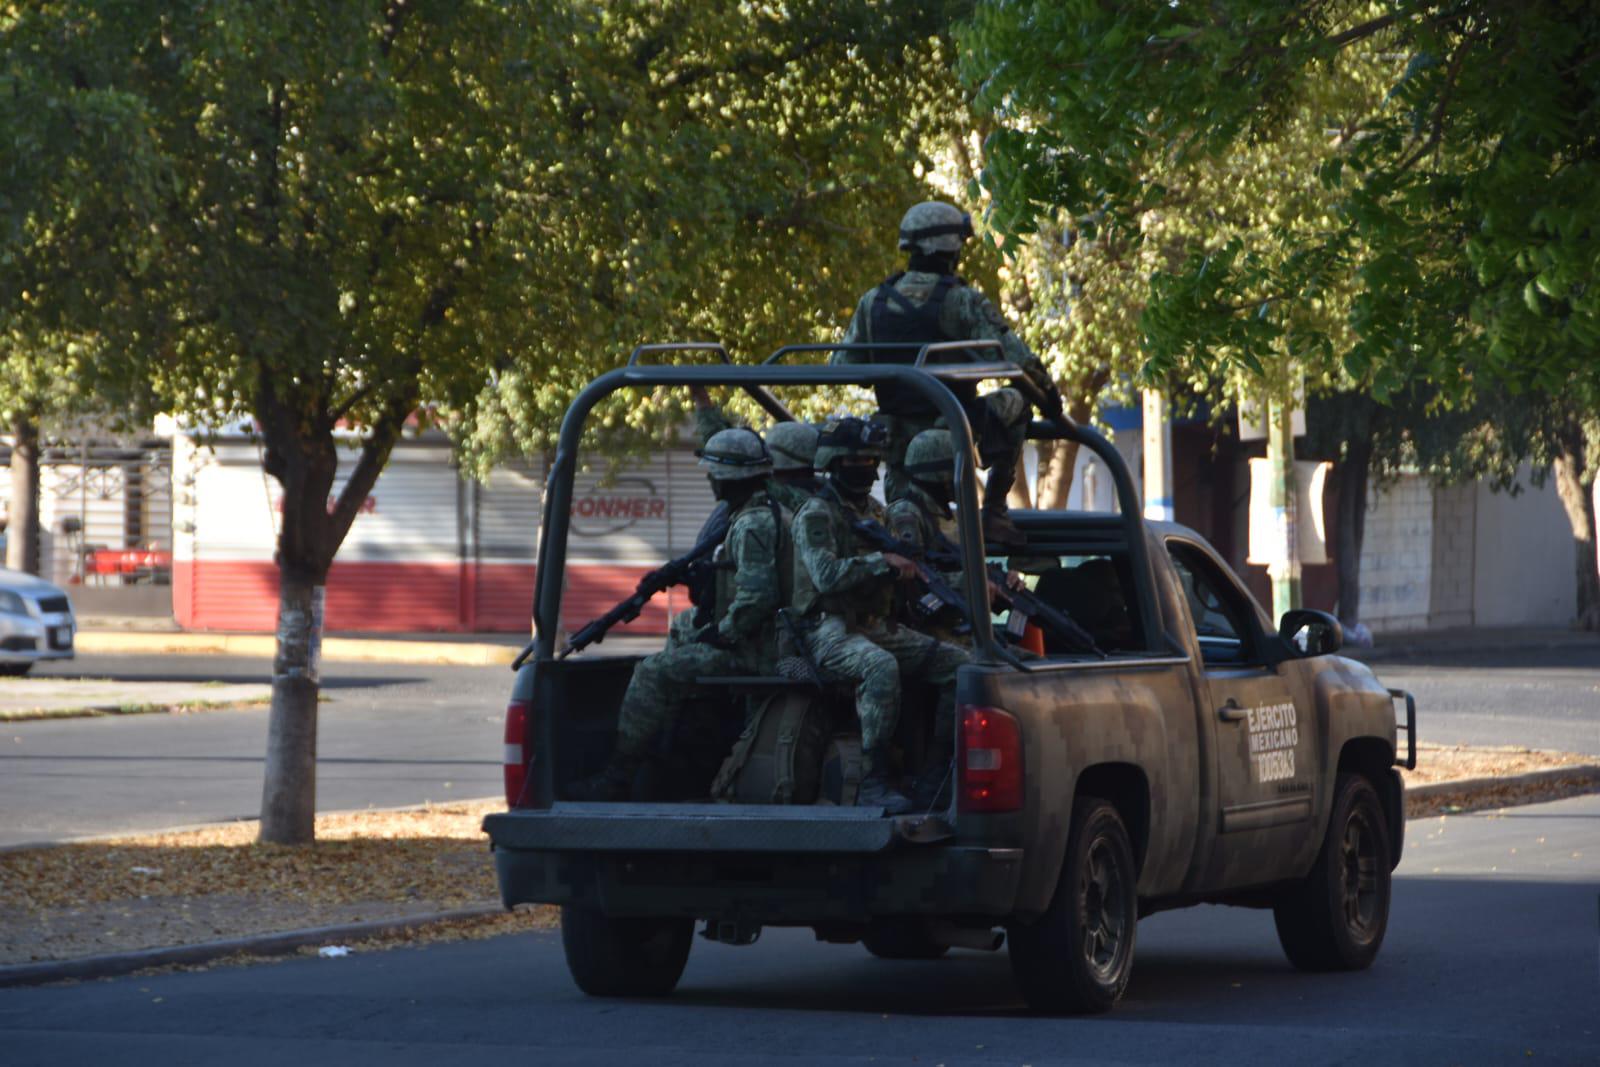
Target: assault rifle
{"x": 940, "y": 594}
{"x": 685, "y": 569}
{"x": 1025, "y": 602}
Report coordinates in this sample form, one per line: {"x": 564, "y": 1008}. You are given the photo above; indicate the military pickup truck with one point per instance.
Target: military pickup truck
{"x": 1204, "y": 755}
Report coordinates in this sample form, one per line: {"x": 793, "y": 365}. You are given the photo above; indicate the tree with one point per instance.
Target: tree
{"x": 359, "y": 215}
{"x": 1463, "y": 195}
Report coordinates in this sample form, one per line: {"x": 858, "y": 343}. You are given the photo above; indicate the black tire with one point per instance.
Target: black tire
{"x": 611, "y": 957}
{"x": 902, "y": 939}
{"x": 1334, "y": 920}
{"x": 14, "y": 670}
{"x": 1078, "y": 957}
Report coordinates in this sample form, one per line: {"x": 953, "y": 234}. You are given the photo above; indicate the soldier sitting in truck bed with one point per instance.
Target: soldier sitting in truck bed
{"x": 844, "y": 596}
{"x": 753, "y": 581}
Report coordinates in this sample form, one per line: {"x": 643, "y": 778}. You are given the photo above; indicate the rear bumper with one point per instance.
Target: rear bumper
{"x": 781, "y": 868}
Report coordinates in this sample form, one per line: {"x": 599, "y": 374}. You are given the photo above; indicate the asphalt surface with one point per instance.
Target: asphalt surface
{"x": 392, "y": 735}
{"x": 389, "y": 735}
{"x": 1538, "y": 698}
{"x": 1490, "y": 958}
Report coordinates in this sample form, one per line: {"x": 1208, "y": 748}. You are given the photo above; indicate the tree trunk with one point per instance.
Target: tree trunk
{"x": 1350, "y": 526}
{"x": 289, "y": 792}
{"x": 22, "y": 529}
{"x": 1575, "y": 486}
{"x": 302, "y": 455}
{"x": 1057, "y": 459}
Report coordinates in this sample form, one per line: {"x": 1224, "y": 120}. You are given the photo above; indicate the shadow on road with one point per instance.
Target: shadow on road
{"x": 1445, "y": 935}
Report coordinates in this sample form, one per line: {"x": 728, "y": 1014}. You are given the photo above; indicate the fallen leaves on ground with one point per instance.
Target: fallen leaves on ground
{"x": 1449, "y": 763}
{"x": 151, "y": 890}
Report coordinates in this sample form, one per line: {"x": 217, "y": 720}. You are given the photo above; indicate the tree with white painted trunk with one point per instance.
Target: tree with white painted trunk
{"x": 352, "y": 220}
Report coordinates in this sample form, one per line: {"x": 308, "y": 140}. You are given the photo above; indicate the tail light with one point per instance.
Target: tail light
{"x": 990, "y": 760}
{"x": 516, "y": 767}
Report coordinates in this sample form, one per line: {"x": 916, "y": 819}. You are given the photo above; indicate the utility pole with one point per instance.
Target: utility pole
{"x": 1285, "y": 569}
{"x": 1157, "y": 458}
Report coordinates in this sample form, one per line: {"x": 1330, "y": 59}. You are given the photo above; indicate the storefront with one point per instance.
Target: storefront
{"x": 429, "y": 550}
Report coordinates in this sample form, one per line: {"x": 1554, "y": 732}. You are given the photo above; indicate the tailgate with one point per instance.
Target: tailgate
{"x": 573, "y": 827}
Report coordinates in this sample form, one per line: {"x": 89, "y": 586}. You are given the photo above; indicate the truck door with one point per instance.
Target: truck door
{"x": 1263, "y": 744}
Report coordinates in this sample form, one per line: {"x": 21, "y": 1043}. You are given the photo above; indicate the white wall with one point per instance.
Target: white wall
{"x": 1523, "y": 558}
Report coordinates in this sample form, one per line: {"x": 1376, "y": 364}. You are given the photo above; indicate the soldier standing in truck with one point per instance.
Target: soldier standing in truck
{"x": 928, "y": 303}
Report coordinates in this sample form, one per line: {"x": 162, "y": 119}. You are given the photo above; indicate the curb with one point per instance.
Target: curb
{"x": 1401, "y": 652}
{"x": 120, "y": 963}
{"x": 342, "y": 649}
{"x": 1465, "y": 790}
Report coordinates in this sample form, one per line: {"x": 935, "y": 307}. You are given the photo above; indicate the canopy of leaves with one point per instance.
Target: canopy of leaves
{"x": 1462, "y": 199}
{"x": 471, "y": 207}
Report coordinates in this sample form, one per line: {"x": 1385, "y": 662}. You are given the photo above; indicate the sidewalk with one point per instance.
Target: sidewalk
{"x": 138, "y": 635}
{"x": 1428, "y": 644}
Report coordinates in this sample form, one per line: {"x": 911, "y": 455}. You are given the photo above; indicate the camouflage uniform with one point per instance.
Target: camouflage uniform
{"x": 752, "y": 584}
{"x": 845, "y": 598}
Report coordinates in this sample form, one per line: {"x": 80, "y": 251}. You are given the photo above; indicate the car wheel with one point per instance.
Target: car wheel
{"x": 1334, "y": 919}
{"x": 631, "y": 957}
{"x": 1078, "y": 957}
{"x": 14, "y": 670}
{"x": 902, "y": 939}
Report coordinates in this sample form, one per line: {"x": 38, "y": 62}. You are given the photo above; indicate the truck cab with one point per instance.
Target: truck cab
{"x": 1199, "y": 753}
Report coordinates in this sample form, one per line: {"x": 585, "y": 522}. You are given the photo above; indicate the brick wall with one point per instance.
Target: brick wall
{"x": 1454, "y": 547}
{"x": 1397, "y": 556}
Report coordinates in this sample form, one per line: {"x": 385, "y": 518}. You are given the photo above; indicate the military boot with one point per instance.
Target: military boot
{"x": 614, "y": 782}
{"x": 877, "y": 789}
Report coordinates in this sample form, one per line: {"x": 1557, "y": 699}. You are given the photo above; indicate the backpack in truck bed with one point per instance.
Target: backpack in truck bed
{"x": 778, "y": 758}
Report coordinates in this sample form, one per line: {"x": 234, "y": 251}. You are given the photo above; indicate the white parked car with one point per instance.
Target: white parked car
{"x": 36, "y": 622}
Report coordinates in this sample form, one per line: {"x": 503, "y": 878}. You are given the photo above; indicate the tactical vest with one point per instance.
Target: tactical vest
{"x": 895, "y": 319}
{"x": 853, "y": 604}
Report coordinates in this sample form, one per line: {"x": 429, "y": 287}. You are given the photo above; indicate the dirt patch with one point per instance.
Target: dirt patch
{"x": 156, "y": 890}
{"x": 1449, "y": 763}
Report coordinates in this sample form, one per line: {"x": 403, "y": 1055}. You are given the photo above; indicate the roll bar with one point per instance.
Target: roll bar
{"x": 923, "y": 377}
{"x": 760, "y": 394}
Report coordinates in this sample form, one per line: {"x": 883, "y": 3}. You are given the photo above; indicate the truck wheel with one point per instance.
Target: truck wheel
{"x": 1078, "y": 956}
{"x": 1334, "y": 920}
{"x": 611, "y": 957}
{"x": 901, "y": 939}
{"x": 14, "y": 670}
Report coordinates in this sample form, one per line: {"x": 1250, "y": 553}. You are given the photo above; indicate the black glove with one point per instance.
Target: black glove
{"x": 1050, "y": 397}
{"x": 712, "y": 636}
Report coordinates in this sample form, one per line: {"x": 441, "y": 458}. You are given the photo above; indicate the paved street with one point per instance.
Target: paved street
{"x": 1490, "y": 958}
{"x": 393, "y": 735}
{"x": 390, "y": 735}
{"x": 1541, "y": 698}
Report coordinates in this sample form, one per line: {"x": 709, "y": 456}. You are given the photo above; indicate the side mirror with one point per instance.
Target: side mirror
{"x": 1310, "y": 632}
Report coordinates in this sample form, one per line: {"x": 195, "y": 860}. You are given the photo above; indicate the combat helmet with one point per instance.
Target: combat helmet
{"x": 793, "y": 446}
{"x": 930, "y": 458}
{"x": 734, "y": 455}
{"x": 934, "y": 226}
{"x": 850, "y": 436}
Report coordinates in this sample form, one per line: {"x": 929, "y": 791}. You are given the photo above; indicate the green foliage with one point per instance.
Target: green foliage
{"x": 1459, "y": 171}
{"x": 475, "y": 206}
